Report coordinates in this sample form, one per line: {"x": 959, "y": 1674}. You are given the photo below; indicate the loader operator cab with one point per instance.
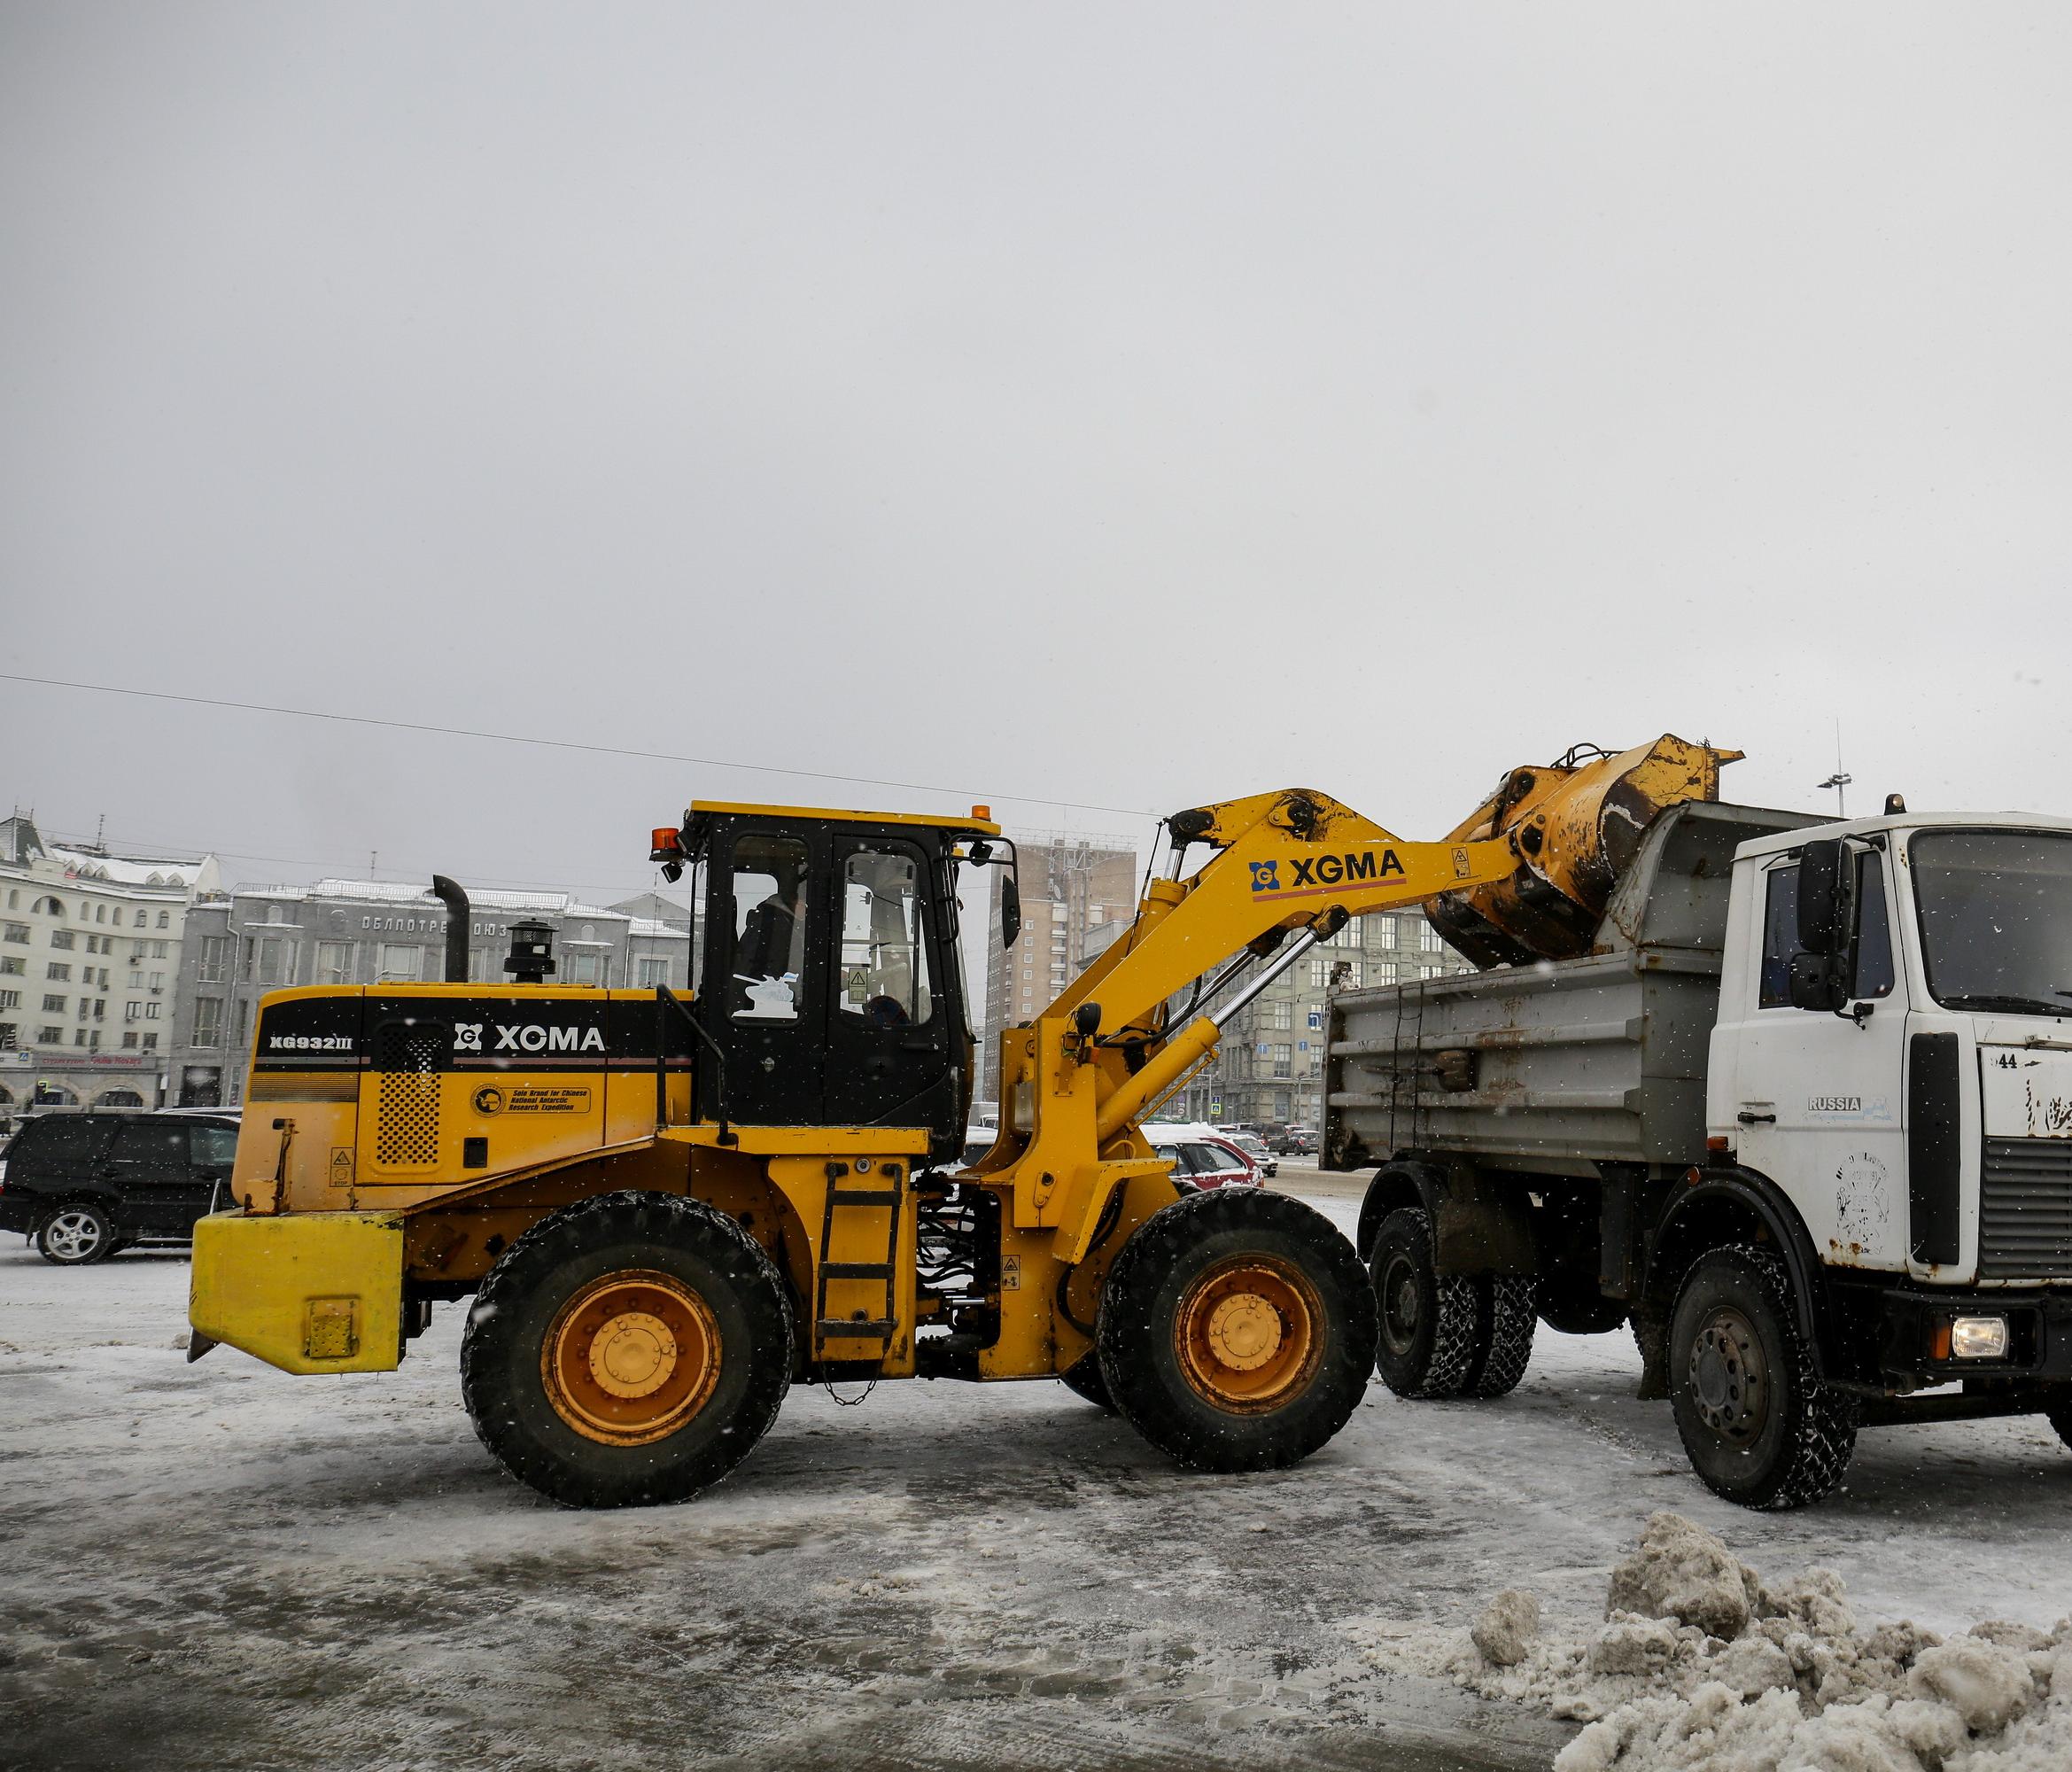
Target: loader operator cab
{"x": 830, "y": 985}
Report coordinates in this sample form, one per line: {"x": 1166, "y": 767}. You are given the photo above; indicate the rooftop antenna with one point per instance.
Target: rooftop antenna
{"x": 372, "y": 864}
{"x": 1838, "y": 781}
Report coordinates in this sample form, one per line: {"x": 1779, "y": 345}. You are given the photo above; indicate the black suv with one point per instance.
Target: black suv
{"x": 83, "y": 1185}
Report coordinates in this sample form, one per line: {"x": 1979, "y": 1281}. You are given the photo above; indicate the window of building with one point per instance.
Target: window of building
{"x": 150, "y": 1042}
{"x": 63, "y": 939}
{"x": 79, "y": 1037}
{"x": 1431, "y": 972}
{"x": 58, "y": 969}
{"x": 15, "y": 932}
{"x": 49, "y": 1037}
{"x": 271, "y": 959}
{"x": 398, "y": 963}
{"x": 582, "y": 965}
{"x": 208, "y": 1021}
{"x": 1280, "y": 1015}
{"x": 1428, "y": 941}
{"x": 214, "y": 965}
{"x": 100, "y": 913}
{"x": 12, "y": 966}
{"x": 243, "y": 1021}
{"x": 158, "y": 980}
{"x": 54, "y": 907}
{"x": 160, "y": 949}
{"x": 14, "y": 900}
{"x": 53, "y": 1004}
{"x": 1281, "y": 1055}
{"x": 129, "y": 1040}
{"x": 132, "y": 1011}
{"x": 135, "y": 979}
{"x": 9, "y": 999}
{"x": 162, "y": 919}
{"x": 1351, "y": 936}
{"x": 10, "y": 1036}
{"x": 650, "y": 970}
{"x": 334, "y": 963}
{"x": 151, "y": 1011}
{"x": 1384, "y": 972}
{"x": 141, "y": 915}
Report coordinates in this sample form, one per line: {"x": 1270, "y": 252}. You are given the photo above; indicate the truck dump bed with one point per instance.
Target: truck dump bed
{"x": 1556, "y": 1066}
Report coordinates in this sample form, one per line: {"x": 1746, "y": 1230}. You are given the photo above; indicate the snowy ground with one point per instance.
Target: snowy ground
{"x": 219, "y": 1566}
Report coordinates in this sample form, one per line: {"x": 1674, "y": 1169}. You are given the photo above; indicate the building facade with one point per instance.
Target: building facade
{"x": 90, "y": 950}
{"x": 1269, "y": 1069}
{"x": 1074, "y": 893}
{"x": 244, "y": 943}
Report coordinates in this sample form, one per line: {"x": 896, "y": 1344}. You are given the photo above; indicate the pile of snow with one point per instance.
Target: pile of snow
{"x": 1699, "y": 1666}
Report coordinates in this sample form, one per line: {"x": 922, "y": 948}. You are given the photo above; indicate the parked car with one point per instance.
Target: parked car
{"x": 1253, "y": 1146}
{"x": 1201, "y": 1158}
{"x": 977, "y": 1141}
{"x": 1296, "y": 1141}
{"x": 83, "y": 1186}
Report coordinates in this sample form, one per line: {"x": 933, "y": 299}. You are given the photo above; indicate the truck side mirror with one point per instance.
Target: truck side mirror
{"x": 1817, "y": 982}
{"x": 1010, "y": 911}
{"x": 1823, "y": 907}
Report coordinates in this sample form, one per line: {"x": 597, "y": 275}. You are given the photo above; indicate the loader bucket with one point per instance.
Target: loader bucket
{"x": 1578, "y": 825}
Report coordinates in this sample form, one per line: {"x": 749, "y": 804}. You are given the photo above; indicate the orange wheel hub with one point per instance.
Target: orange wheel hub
{"x": 1249, "y": 1333}
{"x": 630, "y": 1358}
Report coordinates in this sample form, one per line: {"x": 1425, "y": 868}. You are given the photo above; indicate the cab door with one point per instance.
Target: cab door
{"x": 1818, "y": 1102}
{"x": 891, "y": 1020}
{"x": 763, "y": 991}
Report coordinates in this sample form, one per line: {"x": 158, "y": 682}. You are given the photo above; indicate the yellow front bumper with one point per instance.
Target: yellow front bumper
{"x": 307, "y": 1291}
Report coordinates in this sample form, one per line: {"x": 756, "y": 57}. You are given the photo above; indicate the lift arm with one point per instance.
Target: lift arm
{"x": 1286, "y": 870}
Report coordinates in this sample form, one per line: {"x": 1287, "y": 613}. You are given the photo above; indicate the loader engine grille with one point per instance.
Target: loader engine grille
{"x": 2025, "y": 1209}
{"x": 409, "y": 1057}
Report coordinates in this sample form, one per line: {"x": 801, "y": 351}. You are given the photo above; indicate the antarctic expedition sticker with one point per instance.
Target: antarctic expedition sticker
{"x": 525, "y": 1098}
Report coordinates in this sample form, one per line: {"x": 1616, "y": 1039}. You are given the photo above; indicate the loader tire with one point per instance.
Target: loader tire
{"x": 1429, "y": 1338}
{"x": 1082, "y": 1378}
{"x": 1235, "y": 1330}
{"x": 1759, "y": 1429}
{"x": 629, "y": 1350}
{"x": 1506, "y": 1315}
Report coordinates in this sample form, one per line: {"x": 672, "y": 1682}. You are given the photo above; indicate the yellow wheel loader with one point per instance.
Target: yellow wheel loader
{"x": 667, "y": 1209}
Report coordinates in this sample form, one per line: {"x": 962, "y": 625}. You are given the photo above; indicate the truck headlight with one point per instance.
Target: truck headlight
{"x": 1979, "y": 1338}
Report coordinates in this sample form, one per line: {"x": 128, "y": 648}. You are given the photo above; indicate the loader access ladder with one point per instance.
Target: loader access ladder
{"x": 886, "y": 1195}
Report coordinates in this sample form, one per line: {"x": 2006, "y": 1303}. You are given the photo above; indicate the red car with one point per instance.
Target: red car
{"x": 1201, "y": 1158}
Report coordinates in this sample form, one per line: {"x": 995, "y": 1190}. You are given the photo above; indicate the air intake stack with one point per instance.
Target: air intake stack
{"x": 531, "y": 956}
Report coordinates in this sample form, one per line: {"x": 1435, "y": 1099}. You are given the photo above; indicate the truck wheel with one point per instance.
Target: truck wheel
{"x": 1505, "y": 1317}
{"x": 1427, "y": 1342}
{"x": 75, "y": 1235}
{"x": 1082, "y": 1378}
{"x": 2059, "y": 1416}
{"x": 628, "y": 1350}
{"x": 1237, "y": 1330}
{"x": 1758, "y": 1428}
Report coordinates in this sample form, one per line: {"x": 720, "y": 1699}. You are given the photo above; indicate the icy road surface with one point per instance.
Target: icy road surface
{"x": 218, "y": 1565}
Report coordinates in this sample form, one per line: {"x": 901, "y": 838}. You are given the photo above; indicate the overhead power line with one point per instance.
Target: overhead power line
{"x": 567, "y": 745}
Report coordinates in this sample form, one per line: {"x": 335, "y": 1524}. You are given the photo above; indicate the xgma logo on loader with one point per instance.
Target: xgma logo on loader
{"x": 527, "y": 1038}
{"x": 1312, "y": 873}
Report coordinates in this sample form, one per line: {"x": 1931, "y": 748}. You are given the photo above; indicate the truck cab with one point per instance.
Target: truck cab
{"x": 1893, "y": 1044}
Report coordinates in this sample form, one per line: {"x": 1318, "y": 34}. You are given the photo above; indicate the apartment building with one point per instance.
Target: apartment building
{"x": 91, "y": 948}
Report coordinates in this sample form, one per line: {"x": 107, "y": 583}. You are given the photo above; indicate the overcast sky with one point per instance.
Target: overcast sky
{"x": 1076, "y": 408}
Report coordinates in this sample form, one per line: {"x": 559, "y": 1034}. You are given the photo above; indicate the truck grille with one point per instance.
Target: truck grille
{"x": 2025, "y": 1209}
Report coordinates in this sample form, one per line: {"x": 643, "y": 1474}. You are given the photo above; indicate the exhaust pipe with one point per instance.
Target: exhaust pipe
{"x": 449, "y": 893}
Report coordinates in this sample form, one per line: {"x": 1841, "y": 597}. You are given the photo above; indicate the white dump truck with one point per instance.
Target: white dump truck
{"x": 1798, "y": 1107}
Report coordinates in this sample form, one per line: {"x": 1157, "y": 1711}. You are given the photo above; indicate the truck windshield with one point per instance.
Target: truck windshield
{"x": 1996, "y": 919}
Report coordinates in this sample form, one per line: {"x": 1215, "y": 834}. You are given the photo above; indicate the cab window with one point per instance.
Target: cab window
{"x": 1875, "y": 973}
{"x": 1779, "y": 935}
{"x": 883, "y": 951}
{"x": 214, "y": 1146}
{"x": 770, "y": 895}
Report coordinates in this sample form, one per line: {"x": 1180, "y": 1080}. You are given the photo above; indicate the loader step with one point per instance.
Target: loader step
{"x": 836, "y": 1328}
{"x": 857, "y": 1270}
{"x": 876, "y": 1196}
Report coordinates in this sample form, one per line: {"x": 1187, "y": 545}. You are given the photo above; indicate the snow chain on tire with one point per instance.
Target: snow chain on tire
{"x": 1426, "y": 1348}
{"x": 1508, "y": 1313}
{"x": 1808, "y": 1431}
